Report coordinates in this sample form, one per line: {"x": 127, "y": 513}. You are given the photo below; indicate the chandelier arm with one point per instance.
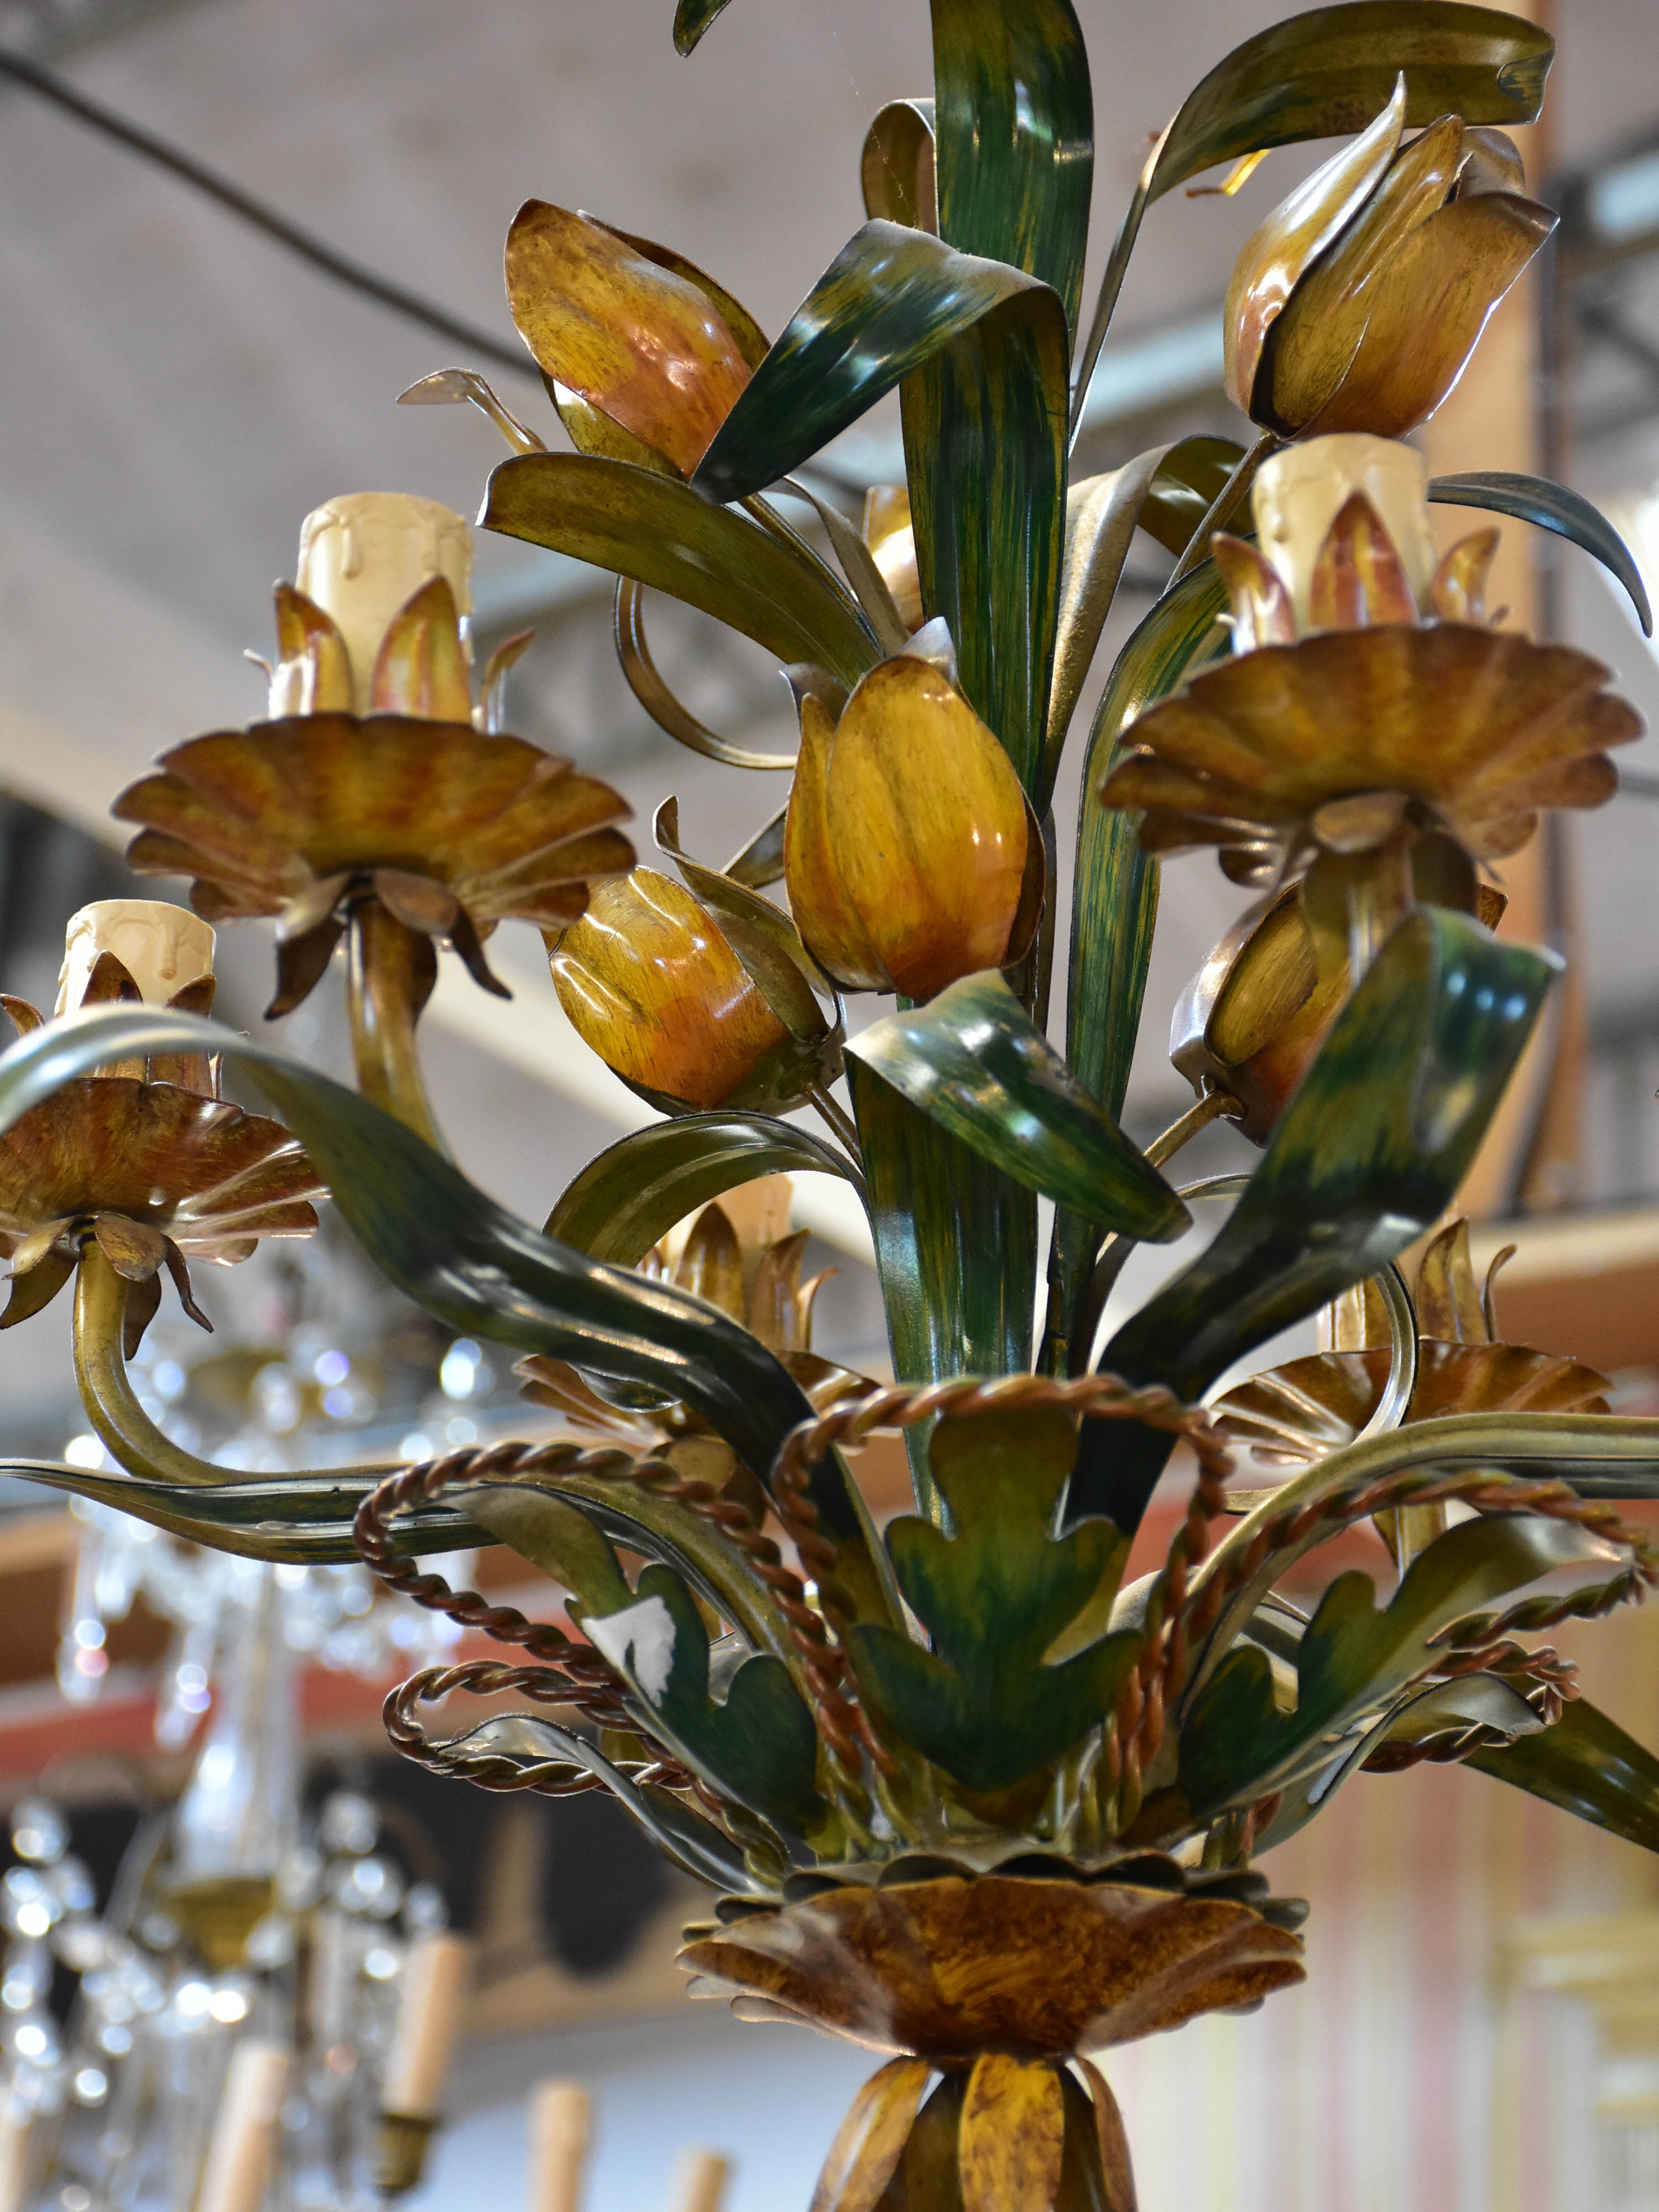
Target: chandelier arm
{"x": 389, "y": 971}
{"x": 1451, "y": 1456}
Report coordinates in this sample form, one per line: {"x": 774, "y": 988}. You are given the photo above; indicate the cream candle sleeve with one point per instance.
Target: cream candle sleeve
{"x": 428, "y": 2020}
{"x": 560, "y": 2128}
{"x": 242, "y": 2153}
{"x": 162, "y": 948}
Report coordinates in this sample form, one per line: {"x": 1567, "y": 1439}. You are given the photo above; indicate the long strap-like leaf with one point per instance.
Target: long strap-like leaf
{"x": 1368, "y": 1153}
{"x": 1013, "y": 130}
{"x": 980, "y": 349}
{"x": 635, "y": 523}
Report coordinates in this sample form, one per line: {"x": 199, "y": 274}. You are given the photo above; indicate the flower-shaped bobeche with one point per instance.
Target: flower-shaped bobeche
{"x": 145, "y": 1158}
{"x": 1003, "y": 1981}
{"x": 1369, "y": 707}
{"x": 376, "y": 778}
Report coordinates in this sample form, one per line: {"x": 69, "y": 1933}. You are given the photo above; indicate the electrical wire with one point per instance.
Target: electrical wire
{"x": 47, "y": 85}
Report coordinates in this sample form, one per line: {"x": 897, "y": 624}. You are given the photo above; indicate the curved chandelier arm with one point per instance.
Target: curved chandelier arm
{"x": 121, "y": 1424}
{"x": 390, "y": 971}
{"x": 1578, "y": 1454}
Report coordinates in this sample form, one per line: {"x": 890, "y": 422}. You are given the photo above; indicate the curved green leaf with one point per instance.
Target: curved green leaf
{"x": 1367, "y": 1155}
{"x": 1115, "y": 893}
{"x": 1587, "y": 1765}
{"x": 526, "y": 1743}
{"x": 955, "y": 1249}
{"x": 634, "y": 1191}
{"x": 985, "y": 1701}
{"x": 1329, "y": 72}
{"x": 1551, "y": 505}
{"x": 980, "y": 348}
{"x": 974, "y": 1061}
{"x": 635, "y": 523}
{"x": 1237, "y": 1746}
{"x": 302, "y": 1519}
{"x": 759, "y": 1744}
{"x": 1014, "y": 132}
{"x": 890, "y": 300}
{"x": 468, "y": 1261}
{"x": 1471, "y": 1701}
{"x": 691, "y": 19}
{"x": 1191, "y": 478}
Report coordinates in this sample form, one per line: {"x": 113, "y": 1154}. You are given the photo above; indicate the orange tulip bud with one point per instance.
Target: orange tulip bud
{"x": 636, "y": 340}
{"x": 905, "y": 847}
{"x": 648, "y": 981}
{"x": 1358, "y": 301}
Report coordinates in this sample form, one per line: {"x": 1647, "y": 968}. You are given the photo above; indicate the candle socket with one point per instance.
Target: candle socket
{"x": 401, "y": 2144}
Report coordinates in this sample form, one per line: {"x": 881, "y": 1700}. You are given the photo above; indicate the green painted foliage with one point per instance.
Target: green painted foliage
{"x": 985, "y": 1702}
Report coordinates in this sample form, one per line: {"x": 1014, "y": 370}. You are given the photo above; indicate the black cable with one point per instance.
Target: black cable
{"x": 50, "y": 86}
{"x": 1634, "y": 785}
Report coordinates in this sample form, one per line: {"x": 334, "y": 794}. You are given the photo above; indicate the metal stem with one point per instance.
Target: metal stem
{"x": 385, "y": 992}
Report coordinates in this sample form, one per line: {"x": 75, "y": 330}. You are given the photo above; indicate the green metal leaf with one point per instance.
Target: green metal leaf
{"x": 1554, "y": 507}
{"x": 986, "y": 1703}
{"x": 691, "y": 19}
{"x": 758, "y": 1743}
{"x": 302, "y": 1519}
{"x": 1237, "y": 1746}
{"x": 635, "y": 523}
{"x": 980, "y": 348}
{"x": 1472, "y": 1701}
{"x": 1367, "y": 1155}
{"x": 955, "y": 1249}
{"x": 1013, "y": 131}
{"x": 528, "y": 1743}
{"x": 1589, "y": 1767}
{"x": 1115, "y": 890}
{"x": 636, "y": 1189}
{"x": 1191, "y": 478}
{"x": 974, "y": 1061}
{"x": 1330, "y": 71}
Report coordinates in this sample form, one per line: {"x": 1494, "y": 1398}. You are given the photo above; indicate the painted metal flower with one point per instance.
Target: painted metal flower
{"x": 1357, "y": 304}
{"x": 907, "y": 840}
{"x": 1250, "y": 1022}
{"x": 1293, "y": 1415}
{"x": 649, "y": 981}
{"x": 150, "y": 1162}
{"x": 371, "y": 782}
{"x": 997, "y": 1981}
{"x": 1367, "y": 705}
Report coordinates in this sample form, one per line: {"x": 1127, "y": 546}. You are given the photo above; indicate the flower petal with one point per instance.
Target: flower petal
{"x": 927, "y": 825}
{"x": 1428, "y": 308}
{"x": 1013, "y": 2125}
{"x": 829, "y": 922}
{"x": 639, "y": 342}
{"x": 649, "y": 982}
{"x": 1320, "y": 327}
{"x": 870, "y": 2140}
{"x": 1297, "y": 231}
